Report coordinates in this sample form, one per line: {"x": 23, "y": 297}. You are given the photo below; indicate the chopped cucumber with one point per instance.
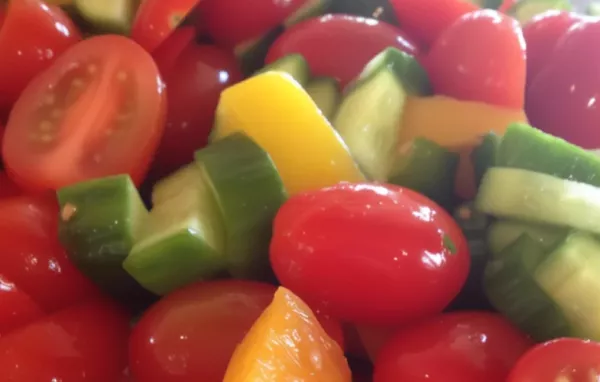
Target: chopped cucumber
{"x": 525, "y": 10}
{"x": 369, "y": 116}
{"x": 530, "y": 149}
{"x": 511, "y": 287}
{"x": 325, "y": 91}
{"x": 593, "y": 8}
{"x": 183, "y": 239}
{"x": 100, "y": 221}
{"x": 293, "y": 64}
{"x": 251, "y": 54}
{"x": 107, "y": 15}
{"x": 503, "y": 233}
{"x": 309, "y": 9}
{"x": 541, "y": 198}
{"x": 484, "y": 155}
{"x": 249, "y": 191}
{"x": 426, "y": 167}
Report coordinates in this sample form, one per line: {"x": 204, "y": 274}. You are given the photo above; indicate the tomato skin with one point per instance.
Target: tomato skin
{"x": 16, "y": 307}
{"x": 111, "y": 105}
{"x": 490, "y": 68}
{"x": 452, "y": 347}
{"x": 372, "y": 254}
{"x": 541, "y": 35}
{"x": 32, "y": 36}
{"x": 169, "y": 51}
{"x": 157, "y": 19}
{"x": 8, "y": 188}
{"x": 562, "y": 98}
{"x": 569, "y": 357}
{"x": 195, "y": 82}
{"x": 339, "y": 45}
{"x": 424, "y": 25}
{"x": 84, "y": 343}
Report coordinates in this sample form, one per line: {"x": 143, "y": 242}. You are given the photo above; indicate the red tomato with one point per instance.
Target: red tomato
{"x": 490, "y": 68}
{"x": 16, "y": 307}
{"x": 85, "y": 343}
{"x": 229, "y": 24}
{"x": 339, "y": 45}
{"x": 424, "y": 21}
{"x": 541, "y": 35}
{"x": 565, "y": 359}
{"x": 563, "y": 98}
{"x": 157, "y": 19}
{"x": 169, "y": 51}
{"x": 8, "y": 188}
{"x": 32, "y": 258}
{"x": 369, "y": 253}
{"x": 453, "y": 347}
{"x": 98, "y": 110}
{"x": 195, "y": 82}
{"x": 32, "y": 36}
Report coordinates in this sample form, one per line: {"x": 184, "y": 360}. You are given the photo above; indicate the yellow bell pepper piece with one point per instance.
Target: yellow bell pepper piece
{"x": 280, "y": 116}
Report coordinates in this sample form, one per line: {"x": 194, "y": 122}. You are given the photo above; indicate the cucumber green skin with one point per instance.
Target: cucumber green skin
{"x": 484, "y": 155}
{"x": 527, "y": 148}
{"x": 249, "y": 192}
{"x": 99, "y": 236}
{"x": 300, "y": 71}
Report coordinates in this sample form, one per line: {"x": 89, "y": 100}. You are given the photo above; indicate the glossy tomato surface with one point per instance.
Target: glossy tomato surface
{"x": 98, "y": 110}
{"x": 490, "y": 68}
{"x": 369, "y": 253}
{"x": 169, "y": 51}
{"x": 563, "y": 98}
{"x": 194, "y": 83}
{"x": 17, "y": 308}
{"x": 32, "y": 36}
{"x": 452, "y": 347}
{"x": 83, "y": 343}
{"x": 339, "y": 46}
{"x": 565, "y": 359}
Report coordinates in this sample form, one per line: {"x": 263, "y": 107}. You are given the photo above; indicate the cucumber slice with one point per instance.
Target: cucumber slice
{"x": 527, "y": 148}
{"x": 535, "y": 197}
{"x": 512, "y": 289}
{"x": 484, "y": 155}
{"x": 249, "y": 191}
{"x": 183, "y": 239}
{"x": 370, "y": 114}
{"x": 325, "y": 91}
{"x": 293, "y": 64}
{"x": 107, "y": 15}
{"x": 503, "y": 233}
{"x": 525, "y": 10}
{"x": 309, "y": 9}
{"x": 427, "y": 168}
{"x": 100, "y": 221}
{"x": 251, "y": 54}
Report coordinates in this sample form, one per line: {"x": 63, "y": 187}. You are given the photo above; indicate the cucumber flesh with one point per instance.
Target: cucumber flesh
{"x": 107, "y": 15}
{"x": 503, "y": 233}
{"x": 100, "y": 221}
{"x": 369, "y": 116}
{"x": 309, "y": 9}
{"x": 325, "y": 91}
{"x": 525, "y": 10}
{"x": 427, "y": 168}
{"x": 293, "y": 64}
{"x": 183, "y": 239}
{"x": 534, "y": 197}
{"x": 593, "y": 8}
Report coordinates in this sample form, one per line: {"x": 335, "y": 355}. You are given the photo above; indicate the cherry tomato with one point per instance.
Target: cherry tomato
{"x": 377, "y": 254}
{"x": 84, "y": 343}
{"x": 33, "y": 35}
{"x": 32, "y": 258}
{"x": 169, "y": 51}
{"x": 16, "y": 307}
{"x": 424, "y": 21}
{"x": 157, "y": 19}
{"x": 7, "y": 187}
{"x": 452, "y": 347}
{"x": 98, "y": 110}
{"x": 195, "y": 82}
{"x": 339, "y": 45}
{"x": 565, "y": 359}
{"x": 490, "y": 68}
{"x": 541, "y": 35}
{"x": 231, "y": 22}
{"x": 563, "y": 98}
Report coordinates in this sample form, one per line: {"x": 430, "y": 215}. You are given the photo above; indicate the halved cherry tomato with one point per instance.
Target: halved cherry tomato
{"x": 565, "y": 359}
{"x": 16, "y": 307}
{"x": 32, "y": 258}
{"x": 84, "y": 343}
{"x": 339, "y": 45}
{"x": 157, "y": 19}
{"x": 490, "y": 68}
{"x": 194, "y": 83}
{"x": 98, "y": 110}
{"x": 169, "y": 51}
{"x": 32, "y": 36}
{"x": 453, "y": 347}
{"x": 377, "y": 254}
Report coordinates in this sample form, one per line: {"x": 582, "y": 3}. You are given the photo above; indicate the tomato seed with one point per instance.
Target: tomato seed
{"x": 46, "y": 126}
